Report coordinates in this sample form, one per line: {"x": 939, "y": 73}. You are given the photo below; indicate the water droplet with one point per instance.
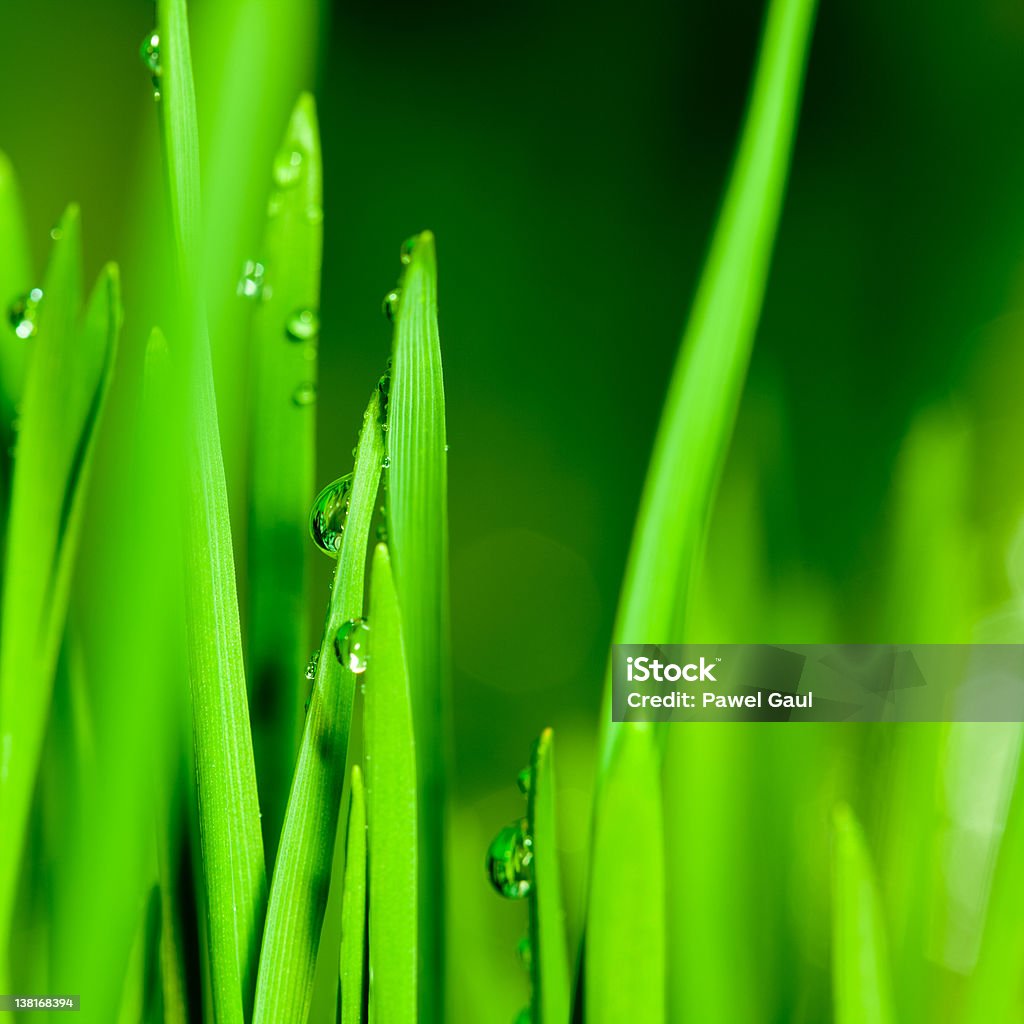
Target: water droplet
{"x": 57, "y": 233}
{"x": 384, "y": 394}
{"x": 327, "y": 517}
{"x": 274, "y": 204}
{"x": 302, "y": 325}
{"x": 381, "y": 533}
{"x": 287, "y": 167}
{"x": 149, "y": 51}
{"x": 523, "y": 780}
{"x": 304, "y": 394}
{"x": 386, "y": 462}
{"x": 524, "y": 950}
{"x": 509, "y": 861}
{"x": 405, "y": 253}
{"x": 314, "y": 660}
{"x": 446, "y": 447}
{"x": 390, "y": 303}
{"x": 23, "y": 312}
{"x": 250, "y": 284}
{"x": 350, "y": 645}
{"x": 315, "y": 214}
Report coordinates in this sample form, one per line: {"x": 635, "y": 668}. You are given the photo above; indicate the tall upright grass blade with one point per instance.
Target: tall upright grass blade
{"x": 232, "y": 846}
{"x": 418, "y": 529}
{"x": 549, "y": 961}
{"x": 860, "y": 967}
{"x": 298, "y": 892}
{"x": 15, "y": 280}
{"x": 352, "y": 961}
{"x": 282, "y": 456}
{"x": 63, "y": 402}
{"x": 391, "y": 807}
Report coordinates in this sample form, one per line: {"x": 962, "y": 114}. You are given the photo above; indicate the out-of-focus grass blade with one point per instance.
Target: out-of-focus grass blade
{"x": 15, "y": 279}
{"x": 860, "y": 967}
{"x": 232, "y": 845}
{"x": 286, "y": 277}
{"x": 391, "y": 799}
{"x": 298, "y": 892}
{"x": 549, "y": 962}
{"x": 353, "y": 908}
{"x": 418, "y": 531}
{"x": 64, "y": 394}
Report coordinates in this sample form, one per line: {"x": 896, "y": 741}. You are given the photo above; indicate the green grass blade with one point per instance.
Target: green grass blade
{"x": 549, "y": 962}
{"x": 860, "y": 968}
{"x": 232, "y": 844}
{"x": 625, "y": 940}
{"x": 15, "y": 279}
{"x": 65, "y": 390}
{"x": 391, "y": 799}
{"x": 353, "y": 908}
{"x": 298, "y": 892}
{"x": 282, "y": 466}
{"x": 418, "y": 529}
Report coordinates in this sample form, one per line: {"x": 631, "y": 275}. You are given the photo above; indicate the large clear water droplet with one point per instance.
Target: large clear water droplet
{"x": 250, "y": 284}
{"x": 509, "y": 861}
{"x": 304, "y": 394}
{"x": 350, "y": 645}
{"x": 390, "y": 304}
{"x": 23, "y": 313}
{"x": 287, "y": 168}
{"x": 149, "y": 51}
{"x": 327, "y": 517}
{"x": 302, "y": 325}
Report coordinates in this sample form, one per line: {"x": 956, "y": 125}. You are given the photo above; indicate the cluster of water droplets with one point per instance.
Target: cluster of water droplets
{"x": 149, "y": 51}
{"x": 23, "y": 312}
{"x": 350, "y": 644}
{"x": 328, "y": 515}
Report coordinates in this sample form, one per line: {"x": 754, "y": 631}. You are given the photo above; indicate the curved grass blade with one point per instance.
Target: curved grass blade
{"x": 351, "y": 967}
{"x": 283, "y": 463}
{"x": 65, "y": 391}
{"x": 15, "y": 279}
{"x": 860, "y": 969}
{"x": 391, "y": 799}
{"x": 418, "y": 531}
{"x": 549, "y": 962}
{"x": 232, "y": 845}
{"x": 298, "y": 892}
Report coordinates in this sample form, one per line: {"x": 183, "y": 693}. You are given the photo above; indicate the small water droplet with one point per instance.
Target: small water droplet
{"x": 23, "y": 313}
{"x": 149, "y": 51}
{"x": 509, "y": 861}
{"x": 327, "y": 517}
{"x": 315, "y": 214}
{"x": 350, "y": 645}
{"x": 405, "y": 253}
{"x": 446, "y": 447}
{"x": 314, "y": 660}
{"x": 250, "y": 284}
{"x": 381, "y": 533}
{"x": 287, "y": 167}
{"x": 386, "y": 462}
{"x": 304, "y": 394}
{"x": 302, "y": 325}
{"x": 523, "y": 780}
{"x": 390, "y": 303}
{"x": 524, "y": 950}
{"x": 57, "y": 233}
{"x": 274, "y": 204}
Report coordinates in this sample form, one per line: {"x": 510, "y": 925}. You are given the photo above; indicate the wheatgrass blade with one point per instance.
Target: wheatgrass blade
{"x": 549, "y": 960}
{"x": 352, "y": 960}
{"x": 298, "y": 892}
{"x": 232, "y": 845}
{"x": 417, "y": 517}
{"x": 285, "y": 284}
{"x": 391, "y": 806}
{"x": 860, "y": 966}
{"x": 63, "y": 400}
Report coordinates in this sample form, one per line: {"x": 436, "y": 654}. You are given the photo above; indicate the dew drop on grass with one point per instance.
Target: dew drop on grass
{"x": 350, "y": 645}
{"x": 304, "y": 394}
{"x": 287, "y": 168}
{"x": 149, "y": 51}
{"x": 509, "y": 861}
{"x": 23, "y": 312}
{"x": 384, "y": 393}
{"x": 327, "y": 517}
{"x": 315, "y": 214}
{"x": 405, "y": 253}
{"x": 302, "y": 325}
{"x": 314, "y": 660}
{"x": 390, "y": 303}
{"x": 250, "y": 284}
{"x": 523, "y": 780}
{"x": 524, "y": 950}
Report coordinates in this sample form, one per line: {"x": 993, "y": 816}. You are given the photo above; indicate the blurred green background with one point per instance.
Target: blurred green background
{"x": 570, "y": 161}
